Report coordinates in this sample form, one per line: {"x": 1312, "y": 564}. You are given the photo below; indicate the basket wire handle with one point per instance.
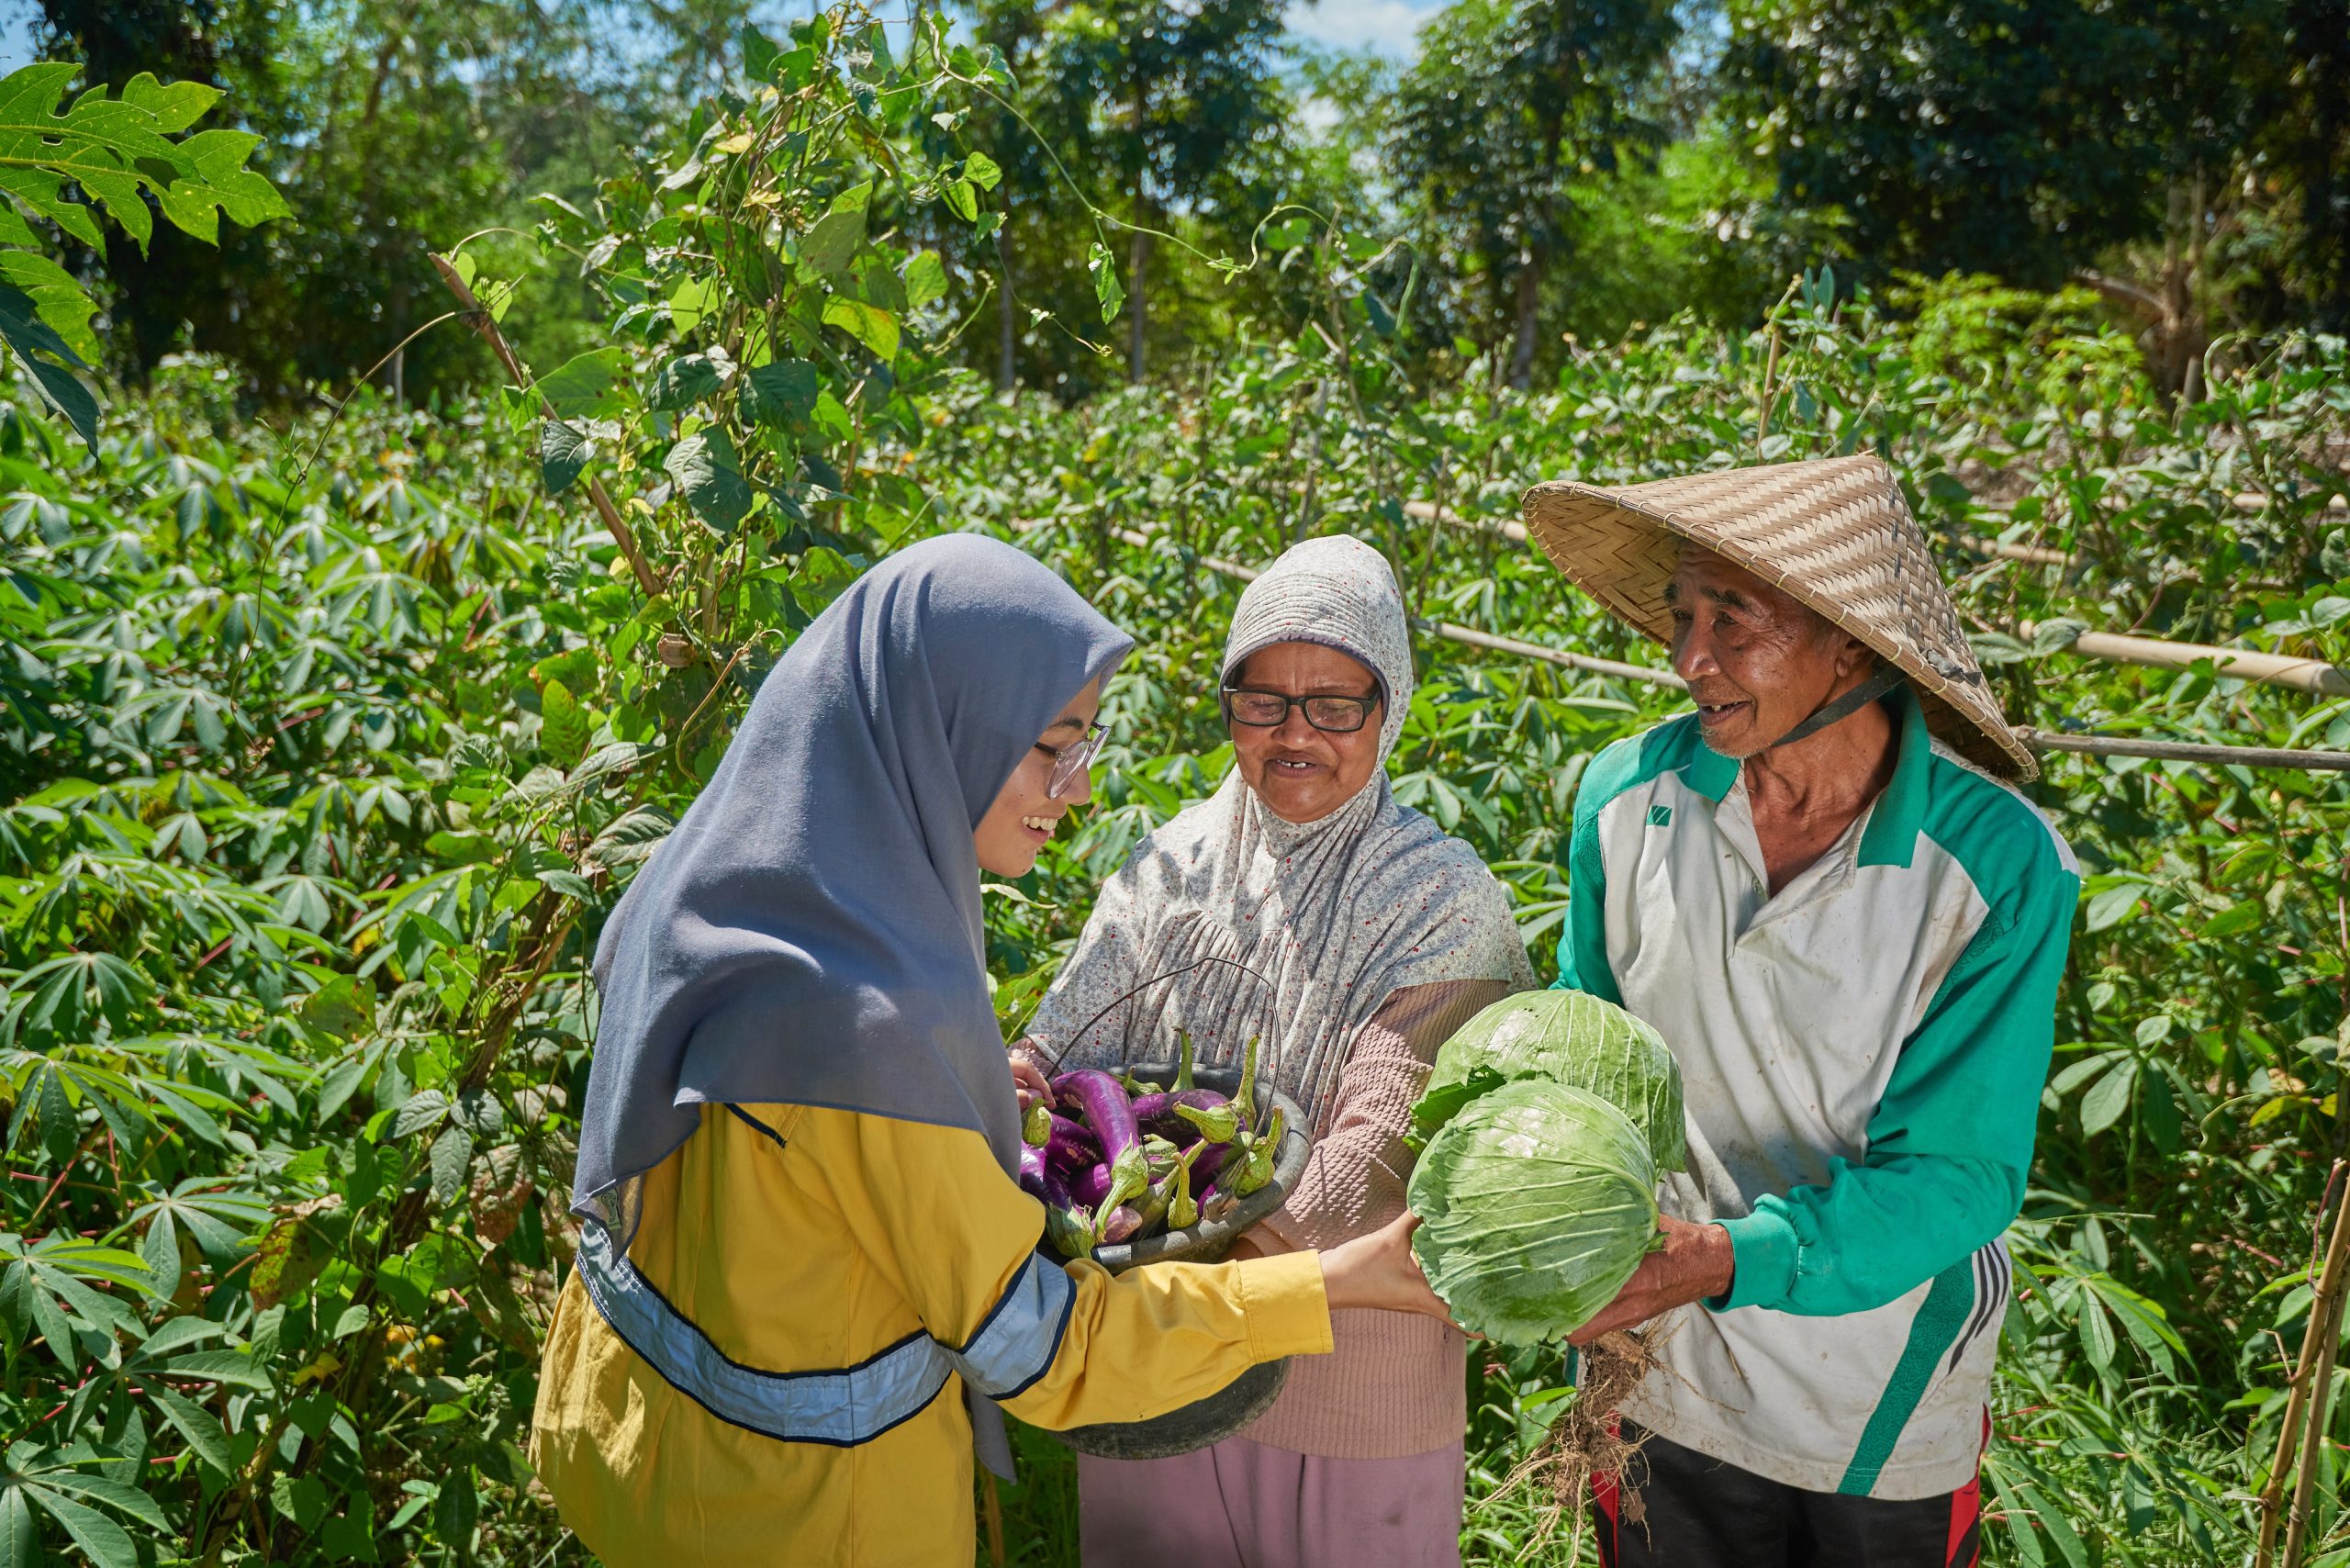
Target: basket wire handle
{"x": 1085, "y": 1028}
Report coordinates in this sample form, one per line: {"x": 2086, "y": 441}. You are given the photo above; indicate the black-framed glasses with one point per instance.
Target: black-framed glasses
{"x": 1070, "y": 760}
{"x": 1268, "y": 710}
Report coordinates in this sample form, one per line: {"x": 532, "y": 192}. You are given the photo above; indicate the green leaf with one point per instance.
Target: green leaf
{"x": 706, "y": 470}
{"x": 2107, "y": 1097}
{"x": 456, "y": 1510}
{"x": 760, "y": 54}
{"x": 563, "y": 454}
{"x": 425, "y": 1108}
{"x": 571, "y": 884}
{"x": 781, "y": 395}
{"x": 113, "y": 1494}
{"x": 869, "y": 324}
{"x": 831, "y": 243}
{"x": 305, "y": 1501}
{"x": 925, "y": 280}
{"x": 19, "y": 1536}
{"x": 175, "y": 108}
{"x": 563, "y": 726}
{"x": 234, "y": 1367}
{"x": 39, "y": 349}
{"x": 342, "y": 1007}
{"x": 582, "y": 388}
{"x": 2248, "y": 916}
{"x": 963, "y": 198}
{"x": 2096, "y": 1332}
{"x": 1107, "y": 291}
{"x": 683, "y": 382}
{"x": 453, "y": 1151}
{"x": 95, "y": 1533}
{"x": 631, "y": 837}
{"x": 2110, "y": 906}
{"x": 982, "y": 171}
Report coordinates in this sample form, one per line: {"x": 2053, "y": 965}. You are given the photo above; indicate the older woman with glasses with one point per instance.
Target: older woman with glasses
{"x": 1302, "y": 907}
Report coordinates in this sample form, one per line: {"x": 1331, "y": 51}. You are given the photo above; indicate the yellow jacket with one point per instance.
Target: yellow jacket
{"x": 817, "y": 1286}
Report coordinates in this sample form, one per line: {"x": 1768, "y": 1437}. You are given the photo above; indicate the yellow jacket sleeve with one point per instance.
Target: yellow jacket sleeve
{"x": 1057, "y": 1345}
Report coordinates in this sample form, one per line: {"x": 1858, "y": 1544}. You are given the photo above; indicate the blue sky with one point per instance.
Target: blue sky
{"x": 1386, "y": 26}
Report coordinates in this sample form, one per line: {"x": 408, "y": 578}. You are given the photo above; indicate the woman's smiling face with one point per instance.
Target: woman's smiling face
{"x": 1301, "y": 773}
{"x": 1021, "y": 821}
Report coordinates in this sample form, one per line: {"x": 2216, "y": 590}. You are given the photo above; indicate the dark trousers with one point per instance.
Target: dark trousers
{"x": 1697, "y": 1512}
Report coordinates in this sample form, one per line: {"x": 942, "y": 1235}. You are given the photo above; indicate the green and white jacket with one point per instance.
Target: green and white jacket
{"x": 1862, "y": 1058}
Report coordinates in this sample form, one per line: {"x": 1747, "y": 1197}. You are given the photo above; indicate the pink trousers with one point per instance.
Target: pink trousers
{"x": 1242, "y": 1504}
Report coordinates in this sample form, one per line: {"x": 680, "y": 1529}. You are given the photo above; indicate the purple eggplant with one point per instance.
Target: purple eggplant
{"x": 1164, "y": 1115}
{"x": 1124, "y": 1223}
{"x": 1069, "y": 1227}
{"x": 1032, "y": 1171}
{"x": 1091, "y": 1185}
{"x": 1211, "y": 1161}
{"x": 1070, "y": 1148}
{"x": 1111, "y": 1118}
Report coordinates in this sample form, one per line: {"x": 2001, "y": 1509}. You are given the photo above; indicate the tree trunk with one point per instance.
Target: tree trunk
{"x": 1137, "y": 313}
{"x": 1531, "y": 258}
{"x": 1007, "y": 331}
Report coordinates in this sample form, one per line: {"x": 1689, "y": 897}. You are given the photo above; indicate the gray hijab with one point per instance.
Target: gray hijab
{"x": 810, "y": 933}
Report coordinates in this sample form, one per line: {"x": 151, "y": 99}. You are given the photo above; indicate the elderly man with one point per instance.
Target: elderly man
{"x": 1849, "y": 928}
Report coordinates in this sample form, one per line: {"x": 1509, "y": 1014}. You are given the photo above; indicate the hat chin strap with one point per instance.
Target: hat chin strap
{"x": 1837, "y": 710}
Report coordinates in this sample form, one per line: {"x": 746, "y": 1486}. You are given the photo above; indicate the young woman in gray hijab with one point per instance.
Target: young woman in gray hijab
{"x": 806, "y": 1277}
{"x": 1302, "y": 906}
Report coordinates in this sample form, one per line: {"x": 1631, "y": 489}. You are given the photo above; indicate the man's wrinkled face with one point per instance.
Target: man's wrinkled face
{"x": 1758, "y": 662}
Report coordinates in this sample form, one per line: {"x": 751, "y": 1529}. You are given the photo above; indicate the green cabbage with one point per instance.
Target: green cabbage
{"x": 1537, "y": 1202}
{"x": 1570, "y": 1038}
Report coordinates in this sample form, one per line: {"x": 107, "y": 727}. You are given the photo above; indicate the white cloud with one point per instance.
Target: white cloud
{"x": 1385, "y": 26}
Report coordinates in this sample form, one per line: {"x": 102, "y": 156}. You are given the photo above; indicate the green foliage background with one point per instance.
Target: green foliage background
{"x": 326, "y": 751}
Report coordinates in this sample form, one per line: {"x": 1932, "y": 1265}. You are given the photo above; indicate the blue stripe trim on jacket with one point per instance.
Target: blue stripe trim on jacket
{"x": 842, "y": 1407}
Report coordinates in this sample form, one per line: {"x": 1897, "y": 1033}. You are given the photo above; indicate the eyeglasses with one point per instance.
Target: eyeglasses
{"x": 1071, "y": 760}
{"x": 1268, "y": 710}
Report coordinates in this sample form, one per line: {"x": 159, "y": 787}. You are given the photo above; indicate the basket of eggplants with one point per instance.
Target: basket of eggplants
{"x": 1162, "y": 1162}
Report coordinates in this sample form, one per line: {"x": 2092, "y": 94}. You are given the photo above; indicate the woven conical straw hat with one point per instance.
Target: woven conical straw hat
{"x": 1834, "y": 533}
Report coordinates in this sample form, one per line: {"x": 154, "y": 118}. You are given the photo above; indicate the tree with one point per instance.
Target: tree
{"x": 2032, "y": 139}
{"x": 1508, "y": 106}
{"x": 1159, "y": 108}
{"x": 131, "y": 156}
{"x": 395, "y": 129}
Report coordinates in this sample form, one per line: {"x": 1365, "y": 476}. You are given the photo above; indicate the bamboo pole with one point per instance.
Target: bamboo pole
{"x": 2185, "y": 751}
{"x": 2037, "y": 740}
{"x": 2313, "y": 676}
{"x": 992, "y": 1510}
{"x": 2328, "y": 1294}
{"x": 2320, "y": 1400}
